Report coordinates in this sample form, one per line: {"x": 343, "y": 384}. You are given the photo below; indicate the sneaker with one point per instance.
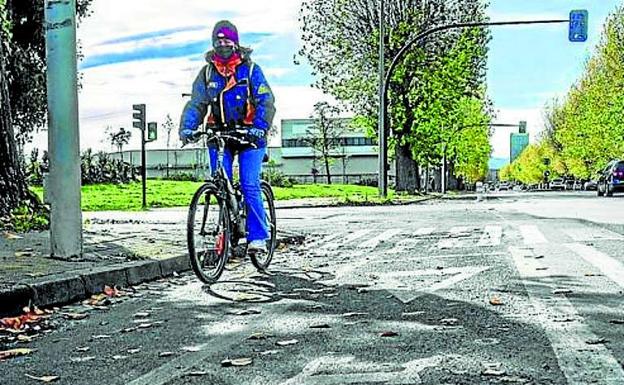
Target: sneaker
{"x": 258, "y": 246}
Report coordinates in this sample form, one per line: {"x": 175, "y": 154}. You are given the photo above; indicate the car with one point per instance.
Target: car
{"x": 504, "y": 186}
{"x": 558, "y": 184}
{"x": 590, "y": 185}
{"x": 611, "y": 179}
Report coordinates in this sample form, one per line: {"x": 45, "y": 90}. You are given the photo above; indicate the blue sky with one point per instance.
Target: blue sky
{"x": 154, "y": 58}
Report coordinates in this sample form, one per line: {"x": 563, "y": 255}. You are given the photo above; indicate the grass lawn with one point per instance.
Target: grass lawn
{"x": 162, "y": 193}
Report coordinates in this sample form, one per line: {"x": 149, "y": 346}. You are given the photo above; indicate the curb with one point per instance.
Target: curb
{"x": 69, "y": 288}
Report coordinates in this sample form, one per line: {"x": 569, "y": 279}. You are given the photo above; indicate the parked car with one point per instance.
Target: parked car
{"x": 504, "y": 186}
{"x": 558, "y": 184}
{"x": 611, "y": 179}
{"x": 590, "y": 185}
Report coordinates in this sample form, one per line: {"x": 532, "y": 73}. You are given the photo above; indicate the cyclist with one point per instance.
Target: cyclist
{"x": 231, "y": 92}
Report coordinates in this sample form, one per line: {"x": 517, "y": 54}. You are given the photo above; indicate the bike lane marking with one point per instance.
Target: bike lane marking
{"x": 580, "y": 362}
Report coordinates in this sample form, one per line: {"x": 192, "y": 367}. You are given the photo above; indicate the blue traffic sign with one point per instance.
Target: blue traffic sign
{"x": 578, "y": 25}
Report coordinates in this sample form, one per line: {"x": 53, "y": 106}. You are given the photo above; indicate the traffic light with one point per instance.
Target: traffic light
{"x": 523, "y": 127}
{"x": 139, "y": 116}
{"x": 578, "y": 25}
{"x": 152, "y": 131}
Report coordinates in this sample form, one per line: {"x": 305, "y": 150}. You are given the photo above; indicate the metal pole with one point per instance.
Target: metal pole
{"x": 443, "y": 176}
{"x": 63, "y": 129}
{"x": 143, "y": 169}
{"x": 383, "y": 147}
{"x": 383, "y": 108}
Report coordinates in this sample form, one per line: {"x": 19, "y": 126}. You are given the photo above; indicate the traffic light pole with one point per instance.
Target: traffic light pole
{"x": 143, "y": 170}
{"x": 383, "y": 102}
{"x": 63, "y": 185}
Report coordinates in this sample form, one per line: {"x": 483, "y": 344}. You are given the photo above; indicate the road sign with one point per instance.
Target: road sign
{"x": 152, "y": 131}
{"x": 578, "y": 26}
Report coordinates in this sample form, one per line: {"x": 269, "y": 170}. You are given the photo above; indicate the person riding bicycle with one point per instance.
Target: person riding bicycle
{"x": 234, "y": 94}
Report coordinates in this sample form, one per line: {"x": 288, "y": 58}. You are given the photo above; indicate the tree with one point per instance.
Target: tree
{"x": 325, "y": 135}
{"x": 119, "y": 139}
{"x": 341, "y": 43}
{"x": 168, "y": 126}
{"x": 22, "y": 98}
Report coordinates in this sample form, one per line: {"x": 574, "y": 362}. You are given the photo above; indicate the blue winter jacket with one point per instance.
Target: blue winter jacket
{"x": 249, "y": 103}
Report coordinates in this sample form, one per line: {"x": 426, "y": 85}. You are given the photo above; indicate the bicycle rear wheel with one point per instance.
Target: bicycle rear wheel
{"x": 208, "y": 234}
{"x": 262, "y": 260}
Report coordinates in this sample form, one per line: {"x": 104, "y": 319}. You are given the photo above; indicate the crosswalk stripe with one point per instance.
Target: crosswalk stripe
{"x": 610, "y": 267}
{"x": 491, "y": 236}
{"x": 327, "y": 239}
{"x": 355, "y": 235}
{"x": 580, "y": 363}
{"x": 373, "y": 242}
{"x": 532, "y": 235}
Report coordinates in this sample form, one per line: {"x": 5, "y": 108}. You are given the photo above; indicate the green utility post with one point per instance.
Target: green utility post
{"x": 63, "y": 129}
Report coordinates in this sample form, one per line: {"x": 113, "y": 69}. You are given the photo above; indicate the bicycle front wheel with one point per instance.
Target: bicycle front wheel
{"x": 208, "y": 234}
{"x": 262, "y": 260}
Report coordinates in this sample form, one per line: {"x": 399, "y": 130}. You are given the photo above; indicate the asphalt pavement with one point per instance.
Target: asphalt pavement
{"x": 517, "y": 290}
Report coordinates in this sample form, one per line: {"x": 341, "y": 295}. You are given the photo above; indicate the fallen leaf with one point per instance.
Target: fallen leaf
{"x": 197, "y": 373}
{"x": 596, "y": 341}
{"x": 21, "y": 254}
{"x": 258, "y": 336}
{"x": 145, "y": 326}
{"x": 15, "y": 353}
{"x": 82, "y": 359}
{"x": 495, "y": 301}
{"x": 350, "y": 315}
{"x": 142, "y": 315}
{"x": 320, "y": 326}
{"x": 617, "y": 321}
{"x": 133, "y": 351}
{"x": 75, "y": 316}
{"x": 449, "y": 321}
{"x": 118, "y": 357}
{"x": 44, "y": 378}
{"x": 493, "y": 369}
{"x": 30, "y": 316}
{"x": 237, "y": 362}
{"x": 100, "y": 337}
{"x": 111, "y": 291}
{"x": 389, "y": 334}
{"x": 287, "y": 342}
{"x": 191, "y": 349}
{"x": 83, "y": 349}
{"x": 11, "y": 236}
{"x": 269, "y": 352}
{"x": 24, "y": 338}
{"x": 562, "y": 291}
{"x": 245, "y": 312}
{"x": 129, "y": 330}
{"x": 165, "y": 354}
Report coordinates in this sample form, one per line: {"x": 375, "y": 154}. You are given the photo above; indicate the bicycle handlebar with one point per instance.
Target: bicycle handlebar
{"x": 219, "y": 135}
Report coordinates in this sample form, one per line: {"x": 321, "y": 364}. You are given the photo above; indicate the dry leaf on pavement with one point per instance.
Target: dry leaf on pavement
{"x": 44, "y": 378}
{"x": 236, "y": 362}
{"x": 495, "y": 301}
{"x": 286, "y": 343}
{"x": 245, "y": 312}
{"x": 14, "y": 353}
{"x": 75, "y": 316}
{"x": 389, "y": 334}
{"x": 11, "y": 236}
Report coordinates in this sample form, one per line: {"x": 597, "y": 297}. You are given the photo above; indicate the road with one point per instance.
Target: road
{"x": 514, "y": 291}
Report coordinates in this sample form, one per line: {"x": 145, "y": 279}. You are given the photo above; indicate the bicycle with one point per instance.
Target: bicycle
{"x": 210, "y": 240}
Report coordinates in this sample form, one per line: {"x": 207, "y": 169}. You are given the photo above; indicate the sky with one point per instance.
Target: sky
{"x": 139, "y": 52}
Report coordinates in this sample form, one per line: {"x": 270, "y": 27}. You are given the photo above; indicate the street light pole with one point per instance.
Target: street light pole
{"x": 383, "y": 147}
{"x": 383, "y": 107}
{"x": 63, "y": 135}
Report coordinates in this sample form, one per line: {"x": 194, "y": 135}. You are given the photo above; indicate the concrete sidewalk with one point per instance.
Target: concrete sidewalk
{"x": 120, "y": 249}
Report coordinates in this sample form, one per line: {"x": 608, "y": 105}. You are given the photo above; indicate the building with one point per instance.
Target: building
{"x": 355, "y": 159}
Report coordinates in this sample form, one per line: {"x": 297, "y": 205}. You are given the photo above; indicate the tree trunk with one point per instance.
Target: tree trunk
{"x": 327, "y": 170}
{"x": 407, "y": 178}
{"x": 13, "y": 187}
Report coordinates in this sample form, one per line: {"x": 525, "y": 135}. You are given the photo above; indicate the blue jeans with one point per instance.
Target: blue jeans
{"x": 250, "y": 167}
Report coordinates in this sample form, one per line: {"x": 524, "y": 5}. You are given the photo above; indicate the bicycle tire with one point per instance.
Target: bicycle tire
{"x": 262, "y": 264}
{"x": 222, "y": 234}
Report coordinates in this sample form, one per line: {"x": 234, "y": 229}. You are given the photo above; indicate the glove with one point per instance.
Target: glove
{"x": 186, "y": 135}
{"x": 255, "y": 134}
